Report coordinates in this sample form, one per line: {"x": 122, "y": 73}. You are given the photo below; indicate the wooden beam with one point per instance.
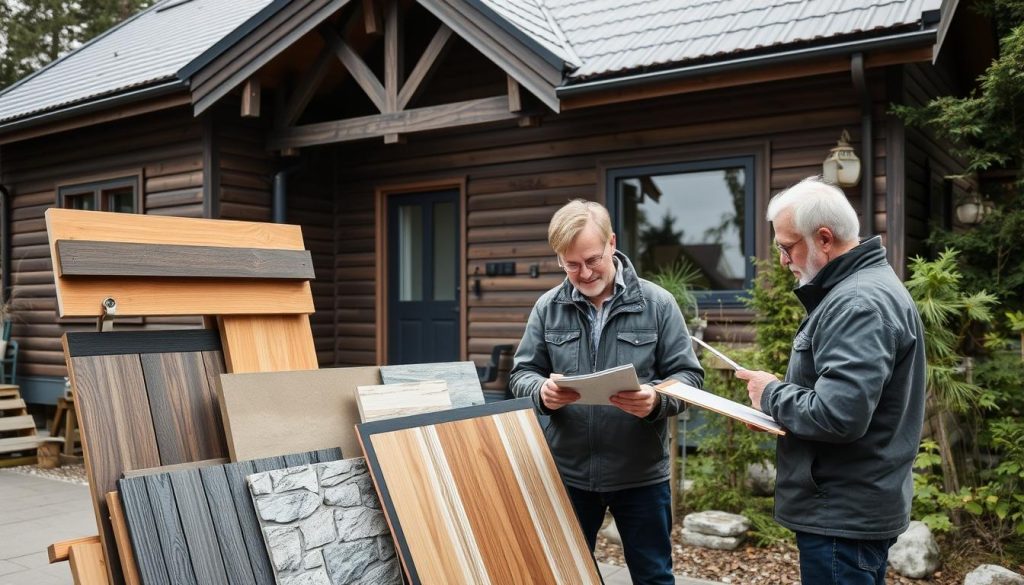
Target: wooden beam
{"x": 370, "y": 18}
{"x": 515, "y": 95}
{"x": 88, "y": 567}
{"x": 59, "y": 551}
{"x": 306, "y": 88}
{"x": 394, "y": 62}
{"x": 251, "y": 98}
{"x": 425, "y": 66}
{"x": 358, "y": 69}
{"x": 465, "y": 113}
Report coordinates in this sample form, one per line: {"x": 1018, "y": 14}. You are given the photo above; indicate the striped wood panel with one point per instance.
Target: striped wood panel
{"x": 143, "y": 400}
{"x": 197, "y": 526}
{"x": 473, "y": 497}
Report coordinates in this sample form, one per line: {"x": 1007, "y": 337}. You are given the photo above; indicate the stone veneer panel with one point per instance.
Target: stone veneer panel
{"x": 323, "y": 525}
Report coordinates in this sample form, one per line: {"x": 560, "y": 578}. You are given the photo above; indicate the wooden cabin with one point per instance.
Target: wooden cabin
{"x": 423, "y": 145}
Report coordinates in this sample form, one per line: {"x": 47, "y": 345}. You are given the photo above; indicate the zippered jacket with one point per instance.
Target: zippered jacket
{"x": 852, "y": 402}
{"x": 603, "y": 448}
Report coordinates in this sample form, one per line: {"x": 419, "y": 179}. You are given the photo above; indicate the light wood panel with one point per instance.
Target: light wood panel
{"x": 274, "y": 413}
{"x": 123, "y": 541}
{"x": 87, "y": 564}
{"x": 393, "y": 400}
{"x": 267, "y": 343}
{"x": 473, "y": 496}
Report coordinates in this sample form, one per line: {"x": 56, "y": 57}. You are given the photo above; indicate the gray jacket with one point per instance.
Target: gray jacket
{"x": 852, "y": 401}
{"x": 602, "y": 448}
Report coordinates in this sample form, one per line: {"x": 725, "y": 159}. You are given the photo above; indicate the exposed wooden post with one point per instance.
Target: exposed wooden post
{"x": 251, "y": 98}
{"x": 394, "y": 65}
{"x": 515, "y": 96}
{"x": 370, "y": 18}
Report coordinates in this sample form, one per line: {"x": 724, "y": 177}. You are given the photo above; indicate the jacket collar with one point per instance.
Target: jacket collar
{"x": 633, "y": 295}
{"x": 868, "y": 253}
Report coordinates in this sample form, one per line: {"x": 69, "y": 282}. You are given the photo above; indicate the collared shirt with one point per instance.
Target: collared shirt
{"x": 597, "y": 316}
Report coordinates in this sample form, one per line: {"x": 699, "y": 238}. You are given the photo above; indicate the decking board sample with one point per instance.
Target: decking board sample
{"x": 384, "y": 401}
{"x": 322, "y": 523}
{"x": 274, "y": 413}
{"x": 143, "y": 399}
{"x": 197, "y": 525}
{"x": 472, "y": 496}
{"x": 463, "y": 381}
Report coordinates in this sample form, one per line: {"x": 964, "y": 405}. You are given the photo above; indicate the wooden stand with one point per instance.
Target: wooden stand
{"x": 18, "y": 438}
{"x": 65, "y": 424}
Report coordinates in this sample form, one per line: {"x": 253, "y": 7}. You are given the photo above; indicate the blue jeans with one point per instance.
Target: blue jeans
{"x": 643, "y": 516}
{"x": 830, "y": 560}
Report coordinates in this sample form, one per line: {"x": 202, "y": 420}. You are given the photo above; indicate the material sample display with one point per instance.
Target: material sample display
{"x": 274, "y": 413}
{"x": 394, "y": 400}
{"x": 473, "y": 497}
{"x": 463, "y": 383}
{"x": 323, "y": 525}
{"x": 197, "y": 526}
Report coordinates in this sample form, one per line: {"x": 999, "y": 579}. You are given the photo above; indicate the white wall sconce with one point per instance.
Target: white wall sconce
{"x": 973, "y": 209}
{"x": 841, "y": 166}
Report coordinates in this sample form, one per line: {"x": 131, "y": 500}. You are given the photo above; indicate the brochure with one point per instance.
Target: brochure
{"x": 598, "y": 387}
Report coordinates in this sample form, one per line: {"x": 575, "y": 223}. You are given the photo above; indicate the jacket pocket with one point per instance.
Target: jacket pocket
{"x": 801, "y": 362}
{"x": 637, "y": 347}
{"x": 564, "y": 350}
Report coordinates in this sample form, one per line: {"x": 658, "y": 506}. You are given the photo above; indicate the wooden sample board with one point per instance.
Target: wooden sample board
{"x": 472, "y": 496}
{"x": 273, "y": 413}
{"x": 198, "y": 527}
{"x": 143, "y": 399}
{"x": 330, "y": 513}
{"x": 393, "y": 400}
{"x": 463, "y": 381}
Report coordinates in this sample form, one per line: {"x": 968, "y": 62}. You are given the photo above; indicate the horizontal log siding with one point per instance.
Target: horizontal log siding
{"x": 517, "y": 177}
{"x": 165, "y": 146}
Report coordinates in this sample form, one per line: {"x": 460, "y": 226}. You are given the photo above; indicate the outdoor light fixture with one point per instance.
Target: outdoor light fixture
{"x": 973, "y": 209}
{"x": 841, "y": 166}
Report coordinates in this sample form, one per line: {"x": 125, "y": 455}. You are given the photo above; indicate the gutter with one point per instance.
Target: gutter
{"x": 898, "y": 41}
{"x": 119, "y": 99}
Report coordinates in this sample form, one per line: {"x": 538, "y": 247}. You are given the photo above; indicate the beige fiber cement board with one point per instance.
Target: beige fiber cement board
{"x": 276, "y": 413}
{"x": 394, "y": 400}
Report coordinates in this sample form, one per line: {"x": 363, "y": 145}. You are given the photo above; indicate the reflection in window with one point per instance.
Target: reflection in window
{"x": 445, "y": 254}
{"x": 117, "y": 195}
{"x": 697, "y": 218}
{"x": 410, "y": 265}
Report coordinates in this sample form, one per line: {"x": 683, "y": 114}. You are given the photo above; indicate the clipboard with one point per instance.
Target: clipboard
{"x": 715, "y": 403}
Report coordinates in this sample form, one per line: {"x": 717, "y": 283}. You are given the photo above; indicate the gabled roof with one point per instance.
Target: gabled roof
{"x": 145, "y": 50}
{"x": 561, "y": 45}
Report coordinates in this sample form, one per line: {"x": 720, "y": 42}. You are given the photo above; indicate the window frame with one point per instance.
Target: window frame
{"x": 97, "y": 186}
{"x": 753, "y": 157}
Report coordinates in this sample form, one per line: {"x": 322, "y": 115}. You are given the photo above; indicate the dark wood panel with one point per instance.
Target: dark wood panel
{"x": 168, "y": 526}
{"x": 237, "y": 563}
{"x": 183, "y": 413}
{"x": 197, "y": 526}
{"x": 85, "y": 258}
{"x": 144, "y": 538}
{"x": 248, "y": 523}
{"x": 83, "y": 344}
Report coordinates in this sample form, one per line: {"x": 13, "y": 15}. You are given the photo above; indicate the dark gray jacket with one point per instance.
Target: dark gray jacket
{"x": 602, "y": 448}
{"x": 852, "y": 402}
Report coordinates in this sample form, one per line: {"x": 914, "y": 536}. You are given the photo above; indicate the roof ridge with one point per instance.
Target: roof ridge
{"x": 76, "y": 50}
{"x": 559, "y": 33}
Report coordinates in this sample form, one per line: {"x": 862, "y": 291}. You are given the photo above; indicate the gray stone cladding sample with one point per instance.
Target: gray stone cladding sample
{"x": 463, "y": 382}
{"x": 323, "y": 525}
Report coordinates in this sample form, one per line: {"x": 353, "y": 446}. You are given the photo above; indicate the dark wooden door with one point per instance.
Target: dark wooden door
{"x": 423, "y": 277}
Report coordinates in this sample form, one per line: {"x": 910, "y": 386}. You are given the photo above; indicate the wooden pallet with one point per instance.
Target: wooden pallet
{"x": 18, "y": 438}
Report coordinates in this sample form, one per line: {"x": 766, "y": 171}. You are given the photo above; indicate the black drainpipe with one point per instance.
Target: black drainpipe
{"x": 867, "y": 150}
{"x": 5, "y": 244}
{"x": 279, "y": 203}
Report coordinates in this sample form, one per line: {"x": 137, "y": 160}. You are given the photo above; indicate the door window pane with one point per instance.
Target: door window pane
{"x": 445, "y": 238}
{"x": 694, "y": 217}
{"x": 410, "y": 244}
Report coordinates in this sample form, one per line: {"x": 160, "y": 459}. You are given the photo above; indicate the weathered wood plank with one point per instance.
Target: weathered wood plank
{"x": 169, "y": 527}
{"x": 197, "y": 526}
{"x": 235, "y": 474}
{"x": 145, "y": 539}
{"x": 225, "y": 519}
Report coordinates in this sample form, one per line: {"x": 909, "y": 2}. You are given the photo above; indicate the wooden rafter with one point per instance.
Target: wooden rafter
{"x": 370, "y": 18}
{"x": 515, "y": 96}
{"x": 358, "y": 69}
{"x": 425, "y": 66}
{"x": 307, "y": 88}
{"x": 251, "y": 98}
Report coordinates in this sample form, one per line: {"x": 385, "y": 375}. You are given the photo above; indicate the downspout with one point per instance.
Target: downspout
{"x": 867, "y": 154}
{"x": 279, "y": 202}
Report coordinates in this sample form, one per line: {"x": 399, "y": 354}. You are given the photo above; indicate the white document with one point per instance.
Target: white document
{"x": 715, "y": 403}
{"x": 719, "y": 354}
{"x": 598, "y": 387}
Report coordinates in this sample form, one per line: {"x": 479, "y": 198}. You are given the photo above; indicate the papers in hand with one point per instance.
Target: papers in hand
{"x": 715, "y": 403}
{"x": 719, "y": 354}
{"x": 598, "y": 387}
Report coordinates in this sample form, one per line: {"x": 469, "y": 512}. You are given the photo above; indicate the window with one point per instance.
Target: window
{"x": 118, "y": 195}
{"x": 699, "y": 214}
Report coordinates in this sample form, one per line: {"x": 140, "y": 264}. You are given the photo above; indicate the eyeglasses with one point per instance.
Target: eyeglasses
{"x": 574, "y": 267}
{"x": 785, "y": 248}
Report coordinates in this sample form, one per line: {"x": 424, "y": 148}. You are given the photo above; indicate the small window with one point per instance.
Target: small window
{"x": 699, "y": 213}
{"x": 119, "y": 195}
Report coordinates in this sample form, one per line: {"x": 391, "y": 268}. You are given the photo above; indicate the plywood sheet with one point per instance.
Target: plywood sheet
{"x": 274, "y": 413}
{"x": 142, "y": 400}
{"x": 393, "y": 400}
{"x": 81, "y": 296}
{"x": 197, "y": 526}
{"x": 473, "y": 497}
{"x": 463, "y": 382}
{"x": 322, "y": 523}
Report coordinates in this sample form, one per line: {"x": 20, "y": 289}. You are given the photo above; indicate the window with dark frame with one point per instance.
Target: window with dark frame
{"x": 697, "y": 214}
{"x": 118, "y": 195}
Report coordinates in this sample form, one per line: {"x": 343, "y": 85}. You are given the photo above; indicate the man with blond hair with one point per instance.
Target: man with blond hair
{"x": 853, "y": 397}
{"x": 615, "y": 457}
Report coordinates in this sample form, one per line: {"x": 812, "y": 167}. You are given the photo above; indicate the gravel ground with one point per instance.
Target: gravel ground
{"x": 69, "y": 473}
{"x": 778, "y": 565}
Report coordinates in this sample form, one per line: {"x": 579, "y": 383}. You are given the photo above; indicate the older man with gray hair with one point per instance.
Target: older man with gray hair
{"x": 853, "y": 396}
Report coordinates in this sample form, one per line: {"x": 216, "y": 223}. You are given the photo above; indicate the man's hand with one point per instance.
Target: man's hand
{"x": 554, "y": 397}
{"x": 756, "y": 381}
{"x": 639, "y": 403}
